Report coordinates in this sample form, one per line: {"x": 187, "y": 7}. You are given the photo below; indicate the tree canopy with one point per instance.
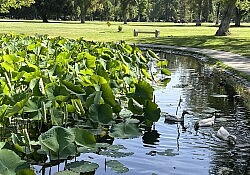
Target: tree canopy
{"x": 5, "y": 5}
{"x": 178, "y": 11}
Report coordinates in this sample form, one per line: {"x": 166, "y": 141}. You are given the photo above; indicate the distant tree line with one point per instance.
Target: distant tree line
{"x": 178, "y": 11}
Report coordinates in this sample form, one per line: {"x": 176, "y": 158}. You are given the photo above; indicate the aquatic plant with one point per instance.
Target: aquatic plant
{"x": 66, "y": 92}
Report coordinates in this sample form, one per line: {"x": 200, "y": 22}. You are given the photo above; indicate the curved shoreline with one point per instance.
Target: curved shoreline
{"x": 235, "y": 73}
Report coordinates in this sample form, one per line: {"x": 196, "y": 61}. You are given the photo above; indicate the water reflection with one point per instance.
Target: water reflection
{"x": 176, "y": 148}
{"x": 150, "y": 137}
{"x": 203, "y": 92}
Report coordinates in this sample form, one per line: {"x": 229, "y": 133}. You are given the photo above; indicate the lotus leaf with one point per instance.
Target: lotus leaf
{"x": 82, "y": 166}
{"x": 151, "y": 111}
{"x": 135, "y": 107}
{"x": 77, "y": 89}
{"x": 2, "y": 145}
{"x": 83, "y": 137}
{"x": 9, "y": 161}
{"x": 165, "y": 72}
{"x": 125, "y": 130}
{"x": 56, "y": 139}
{"x": 101, "y": 113}
{"x": 143, "y": 92}
{"x": 66, "y": 172}
{"x": 117, "y": 166}
{"x": 107, "y": 94}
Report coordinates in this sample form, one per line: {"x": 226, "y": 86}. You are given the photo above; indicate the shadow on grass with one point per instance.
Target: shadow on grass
{"x": 169, "y": 25}
{"x": 234, "y": 45}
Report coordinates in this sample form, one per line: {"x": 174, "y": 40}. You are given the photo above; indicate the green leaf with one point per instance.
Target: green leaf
{"x": 151, "y": 111}
{"x": 165, "y": 72}
{"x": 146, "y": 74}
{"x": 66, "y": 172}
{"x": 101, "y": 113}
{"x": 152, "y": 54}
{"x": 30, "y": 106}
{"x": 25, "y": 171}
{"x": 117, "y": 166}
{"x": 9, "y": 161}
{"x": 90, "y": 63}
{"x": 2, "y": 145}
{"x": 166, "y": 81}
{"x": 125, "y": 130}
{"x": 107, "y": 94}
{"x": 63, "y": 58}
{"x": 162, "y": 63}
{"x": 168, "y": 152}
{"x": 16, "y": 108}
{"x": 115, "y": 154}
{"x": 82, "y": 167}
{"x": 135, "y": 107}
{"x": 56, "y": 139}
{"x": 77, "y": 89}
{"x": 143, "y": 92}
{"x": 84, "y": 137}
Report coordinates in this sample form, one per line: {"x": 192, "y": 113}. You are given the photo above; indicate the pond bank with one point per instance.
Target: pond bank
{"x": 234, "y": 68}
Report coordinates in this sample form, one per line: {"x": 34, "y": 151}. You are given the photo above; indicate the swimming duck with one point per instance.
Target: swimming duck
{"x": 204, "y": 122}
{"x": 223, "y": 134}
{"x": 174, "y": 118}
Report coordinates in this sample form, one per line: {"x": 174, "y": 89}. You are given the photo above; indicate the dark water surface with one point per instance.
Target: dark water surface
{"x": 169, "y": 149}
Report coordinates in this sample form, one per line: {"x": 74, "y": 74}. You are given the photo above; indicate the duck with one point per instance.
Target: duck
{"x": 223, "y": 134}
{"x": 204, "y": 122}
{"x": 174, "y": 118}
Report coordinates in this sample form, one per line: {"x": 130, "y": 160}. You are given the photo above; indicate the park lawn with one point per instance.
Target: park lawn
{"x": 174, "y": 34}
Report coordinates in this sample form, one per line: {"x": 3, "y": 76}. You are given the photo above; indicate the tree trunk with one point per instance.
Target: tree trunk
{"x": 217, "y": 13}
{"x": 125, "y": 16}
{"x": 45, "y": 18}
{"x": 226, "y": 18}
{"x": 198, "y": 20}
{"x": 237, "y": 17}
{"x": 83, "y": 15}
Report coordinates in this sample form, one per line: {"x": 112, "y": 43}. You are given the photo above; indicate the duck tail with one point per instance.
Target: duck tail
{"x": 196, "y": 125}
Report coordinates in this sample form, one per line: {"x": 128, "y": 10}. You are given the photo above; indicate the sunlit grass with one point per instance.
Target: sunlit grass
{"x": 170, "y": 33}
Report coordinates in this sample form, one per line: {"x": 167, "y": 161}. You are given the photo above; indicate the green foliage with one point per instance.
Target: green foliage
{"x": 82, "y": 167}
{"x": 5, "y": 5}
{"x": 56, "y": 140}
{"x": 56, "y": 84}
{"x": 117, "y": 166}
{"x": 9, "y": 162}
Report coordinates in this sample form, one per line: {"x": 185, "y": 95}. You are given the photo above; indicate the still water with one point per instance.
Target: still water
{"x": 170, "y": 149}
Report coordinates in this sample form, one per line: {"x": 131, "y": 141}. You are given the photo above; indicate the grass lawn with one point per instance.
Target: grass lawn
{"x": 170, "y": 33}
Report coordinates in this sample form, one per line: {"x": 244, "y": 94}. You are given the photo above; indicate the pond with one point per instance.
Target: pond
{"x": 171, "y": 149}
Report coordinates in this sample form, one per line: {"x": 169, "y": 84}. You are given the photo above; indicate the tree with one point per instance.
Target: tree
{"x": 86, "y": 6}
{"x": 199, "y": 10}
{"x": 226, "y": 18}
{"x": 124, "y": 8}
{"x": 242, "y": 8}
{"x": 5, "y": 5}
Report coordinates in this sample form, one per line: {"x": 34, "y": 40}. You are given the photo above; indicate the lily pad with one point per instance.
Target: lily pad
{"x": 82, "y": 166}
{"x": 168, "y": 152}
{"x": 115, "y": 154}
{"x": 66, "y": 172}
{"x": 117, "y": 166}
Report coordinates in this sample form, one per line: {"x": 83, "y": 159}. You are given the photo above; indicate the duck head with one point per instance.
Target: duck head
{"x": 184, "y": 113}
{"x": 231, "y": 140}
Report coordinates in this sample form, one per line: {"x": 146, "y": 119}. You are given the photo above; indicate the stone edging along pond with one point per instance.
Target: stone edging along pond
{"x": 237, "y": 79}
